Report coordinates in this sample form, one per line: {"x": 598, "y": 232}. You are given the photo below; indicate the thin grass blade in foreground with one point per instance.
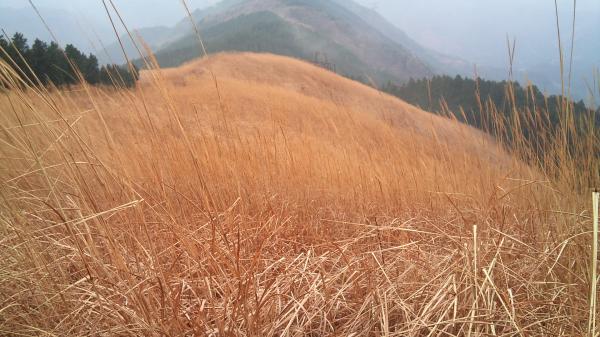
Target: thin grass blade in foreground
{"x": 594, "y": 271}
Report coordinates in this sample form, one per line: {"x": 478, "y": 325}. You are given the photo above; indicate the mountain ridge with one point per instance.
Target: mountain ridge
{"x": 307, "y": 28}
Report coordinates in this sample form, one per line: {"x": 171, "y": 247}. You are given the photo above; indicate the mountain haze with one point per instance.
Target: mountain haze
{"x": 358, "y": 45}
{"x": 477, "y": 31}
{"x": 65, "y": 25}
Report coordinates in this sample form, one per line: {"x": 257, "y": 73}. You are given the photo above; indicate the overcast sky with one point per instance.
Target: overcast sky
{"x": 472, "y": 29}
{"x": 479, "y": 27}
{"x": 138, "y": 13}
{"x": 411, "y": 15}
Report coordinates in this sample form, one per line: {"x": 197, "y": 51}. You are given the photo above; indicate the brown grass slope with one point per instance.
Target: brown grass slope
{"x": 255, "y": 83}
{"x": 257, "y": 195}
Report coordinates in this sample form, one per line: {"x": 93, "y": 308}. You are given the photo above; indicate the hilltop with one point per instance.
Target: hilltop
{"x": 254, "y": 84}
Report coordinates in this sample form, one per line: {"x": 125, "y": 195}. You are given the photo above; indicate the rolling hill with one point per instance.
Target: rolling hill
{"x": 253, "y": 84}
{"x": 259, "y": 195}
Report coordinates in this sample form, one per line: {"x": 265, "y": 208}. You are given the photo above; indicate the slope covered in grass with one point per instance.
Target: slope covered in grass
{"x": 258, "y": 195}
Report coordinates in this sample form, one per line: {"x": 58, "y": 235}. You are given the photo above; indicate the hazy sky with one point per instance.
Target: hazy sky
{"x": 137, "y": 13}
{"x": 472, "y": 29}
{"x": 479, "y": 27}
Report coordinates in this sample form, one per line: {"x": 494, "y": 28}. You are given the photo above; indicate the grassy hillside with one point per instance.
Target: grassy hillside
{"x": 258, "y": 195}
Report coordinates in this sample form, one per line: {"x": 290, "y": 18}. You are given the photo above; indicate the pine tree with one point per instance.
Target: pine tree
{"x": 91, "y": 72}
{"x": 3, "y": 48}
{"x": 17, "y": 51}
{"x": 57, "y": 65}
{"x": 38, "y": 60}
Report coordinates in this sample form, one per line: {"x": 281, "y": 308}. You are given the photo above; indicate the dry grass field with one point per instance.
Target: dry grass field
{"x": 258, "y": 195}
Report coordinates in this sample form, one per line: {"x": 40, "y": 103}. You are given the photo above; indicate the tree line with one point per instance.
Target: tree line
{"x": 50, "y": 64}
{"x": 470, "y": 100}
{"x": 501, "y": 108}
{"x": 441, "y": 93}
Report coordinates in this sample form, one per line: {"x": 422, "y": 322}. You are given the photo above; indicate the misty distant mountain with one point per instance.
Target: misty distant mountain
{"x": 440, "y": 63}
{"x": 333, "y": 31}
{"x": 157, "y": 37}
{"x": 385, "y": 39}
{"x": 477, "y": 31}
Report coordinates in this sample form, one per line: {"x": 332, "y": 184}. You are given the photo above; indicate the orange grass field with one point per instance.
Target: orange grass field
{"x": 258, "y": 195}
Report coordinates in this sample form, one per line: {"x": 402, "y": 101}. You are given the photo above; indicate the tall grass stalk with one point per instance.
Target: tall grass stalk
{"x": 594, "y": 265}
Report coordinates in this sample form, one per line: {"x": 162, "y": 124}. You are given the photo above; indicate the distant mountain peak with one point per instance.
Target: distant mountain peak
{"x": 349, "y": 36}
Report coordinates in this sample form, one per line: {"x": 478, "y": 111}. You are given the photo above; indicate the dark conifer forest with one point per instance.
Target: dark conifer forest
{"x": 47, "y": 63}
{"x": 483, "y": 104}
